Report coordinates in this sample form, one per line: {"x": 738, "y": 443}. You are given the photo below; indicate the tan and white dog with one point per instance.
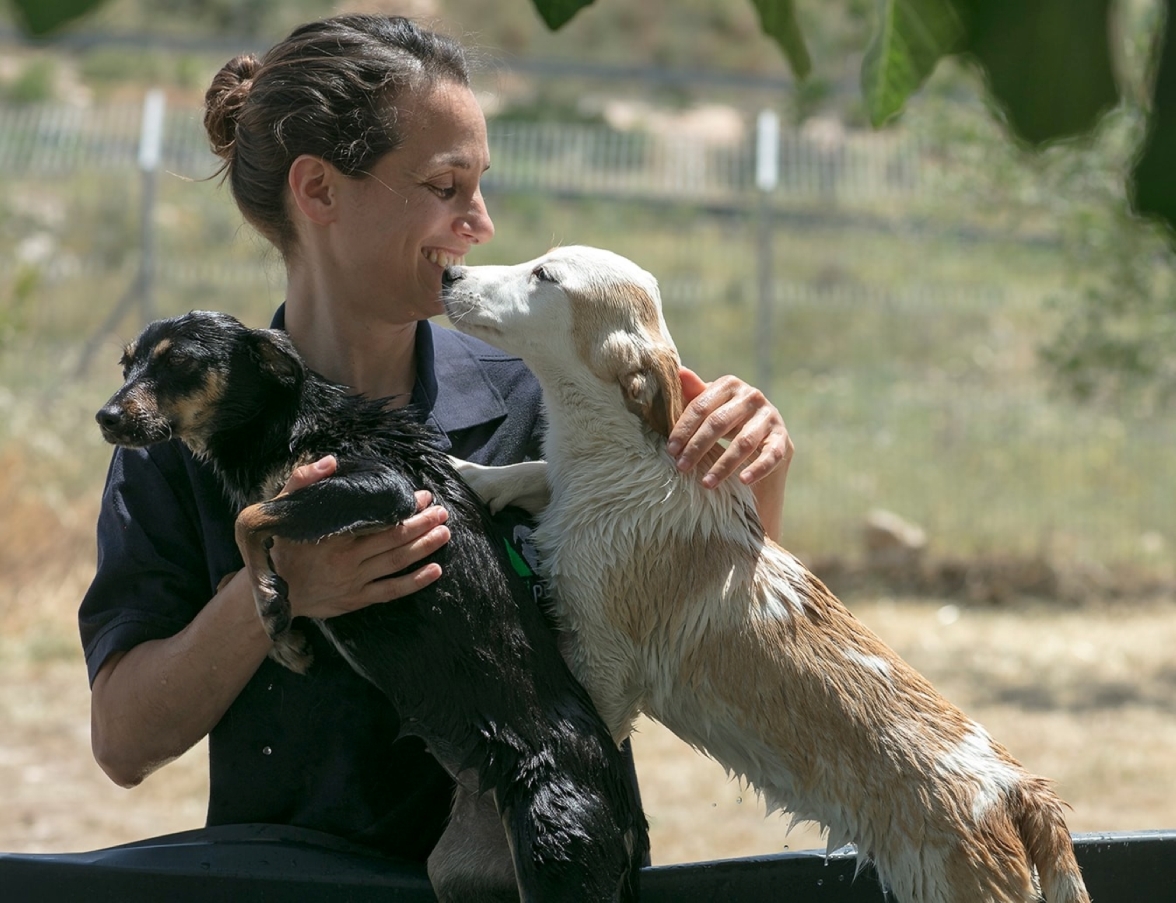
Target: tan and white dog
{"x": 676, "y": 605}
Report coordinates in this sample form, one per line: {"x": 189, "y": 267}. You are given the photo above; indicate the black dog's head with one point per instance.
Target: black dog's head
{"x": 192, "y": 376}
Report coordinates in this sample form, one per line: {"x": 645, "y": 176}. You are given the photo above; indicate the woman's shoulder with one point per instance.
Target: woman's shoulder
{"x": 487, "y": 402}
{"x": 459, "y": 356}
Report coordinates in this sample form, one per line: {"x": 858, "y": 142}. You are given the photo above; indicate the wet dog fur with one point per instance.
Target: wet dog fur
{"x": 677, "y": 605}
{"x": 468, "y": 662}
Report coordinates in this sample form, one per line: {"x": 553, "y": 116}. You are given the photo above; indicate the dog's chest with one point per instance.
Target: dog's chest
{"x": 630, "y": 573}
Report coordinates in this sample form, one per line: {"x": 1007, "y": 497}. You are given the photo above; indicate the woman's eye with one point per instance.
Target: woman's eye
{"x": 443, "y": 192}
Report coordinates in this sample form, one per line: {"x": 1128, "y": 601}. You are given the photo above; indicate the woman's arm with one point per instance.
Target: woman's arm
{"x": 759, "y": 446}
{"x": 152, "y": 703}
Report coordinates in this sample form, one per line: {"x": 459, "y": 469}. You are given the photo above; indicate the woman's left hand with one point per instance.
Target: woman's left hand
{"x": 729, "y": 408}
{"x": 759, "y": 447}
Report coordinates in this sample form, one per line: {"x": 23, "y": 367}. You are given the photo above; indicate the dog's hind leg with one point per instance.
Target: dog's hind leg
{"x": 472, "y": 861}
{"x": 559, "y": 833}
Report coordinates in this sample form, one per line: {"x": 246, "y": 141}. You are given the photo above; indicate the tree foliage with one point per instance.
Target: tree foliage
{"x": 1048, "y": 65}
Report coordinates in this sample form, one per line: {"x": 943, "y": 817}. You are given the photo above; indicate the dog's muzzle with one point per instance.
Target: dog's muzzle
{"x": 126, "y": 426}
{"x": 450, "y": 275}
{"x": 112, "y": 420}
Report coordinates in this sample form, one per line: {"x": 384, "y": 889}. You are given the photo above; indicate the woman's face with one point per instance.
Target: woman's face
{"x": 420, "y": 208}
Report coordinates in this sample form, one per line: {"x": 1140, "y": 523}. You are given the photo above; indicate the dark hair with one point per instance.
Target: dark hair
{"x": 329, "y": 89}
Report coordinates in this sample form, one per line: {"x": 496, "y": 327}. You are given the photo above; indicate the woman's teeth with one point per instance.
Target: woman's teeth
{"x": 443, "y": 258}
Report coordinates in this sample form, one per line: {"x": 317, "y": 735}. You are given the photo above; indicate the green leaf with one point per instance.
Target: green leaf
{"x": 911, "y": 37}
{"x": 778, "y": 21}
{"x": 557, "y": 13}
{"x": 1152, "y": 183}
{"x": 1047, "y": 63}
{"x": 40, "y": 17}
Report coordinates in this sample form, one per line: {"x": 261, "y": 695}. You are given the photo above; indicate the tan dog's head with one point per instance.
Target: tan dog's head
{"x": 576, "y": 309}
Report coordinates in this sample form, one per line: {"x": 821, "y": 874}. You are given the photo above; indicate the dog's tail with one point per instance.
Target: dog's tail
{"x": 1047, "y": 840}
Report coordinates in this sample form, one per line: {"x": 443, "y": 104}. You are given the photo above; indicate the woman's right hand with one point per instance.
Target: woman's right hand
{"x": 348, "y": 572}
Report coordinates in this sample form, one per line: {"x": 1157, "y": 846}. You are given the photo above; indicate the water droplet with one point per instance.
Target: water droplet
{"x": 714, "y": 805}
{"x": 267, "y": 750}
{"x": 739, "y": 799}
{"x": 270, "y": 687}
{"x": 820, "y": 881}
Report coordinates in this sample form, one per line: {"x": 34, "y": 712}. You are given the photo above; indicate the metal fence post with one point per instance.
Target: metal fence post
{"x": 142, "y": 289}
{"x": 767, "y": 177}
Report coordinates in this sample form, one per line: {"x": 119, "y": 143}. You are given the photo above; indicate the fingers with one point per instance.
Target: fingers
{"x": 348, "y": 572}
{"x": 755, "y": 452}
{"x": 729, "y": 408}
{"x": 693, "y": 385}
{"x": 309, "y": 473}
{"x": 391, "y": 551}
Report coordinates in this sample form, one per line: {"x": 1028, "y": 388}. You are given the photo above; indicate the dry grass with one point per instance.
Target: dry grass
{"x": 1084, "y": 696}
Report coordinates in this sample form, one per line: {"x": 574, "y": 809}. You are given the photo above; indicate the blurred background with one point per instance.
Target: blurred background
{"x": 973, "y": 345}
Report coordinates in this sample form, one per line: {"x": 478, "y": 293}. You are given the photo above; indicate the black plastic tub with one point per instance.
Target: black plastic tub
{"x": 271, "y": 863}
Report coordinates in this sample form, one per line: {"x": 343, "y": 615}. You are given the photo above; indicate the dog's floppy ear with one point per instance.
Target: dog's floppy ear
{"x": 654, "y": 392}
{"x": 274, "y": 351}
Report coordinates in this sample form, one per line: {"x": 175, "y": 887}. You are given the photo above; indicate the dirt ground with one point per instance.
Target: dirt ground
{"x": 1087, "y": 697}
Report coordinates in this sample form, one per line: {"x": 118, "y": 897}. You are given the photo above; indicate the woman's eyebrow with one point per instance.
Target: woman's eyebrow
{"x": 459, "y": 161}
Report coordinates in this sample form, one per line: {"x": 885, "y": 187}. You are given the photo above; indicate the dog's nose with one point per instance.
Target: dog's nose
{"x": 451, "y": 275}
{"x": 109, "y": 417}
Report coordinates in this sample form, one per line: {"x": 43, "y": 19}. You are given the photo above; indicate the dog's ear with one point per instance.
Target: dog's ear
{"x": 274, "y": 352}
{"x": 654, "y": 392}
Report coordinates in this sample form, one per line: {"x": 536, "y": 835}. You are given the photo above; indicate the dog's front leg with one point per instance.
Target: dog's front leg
{"x": 361, "y": 496}
{"x": 523, "y": 484}
{"x": 255, "y": 538}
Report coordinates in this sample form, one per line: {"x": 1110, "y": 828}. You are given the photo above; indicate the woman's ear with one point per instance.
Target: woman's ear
{"x": 312, "y": 188}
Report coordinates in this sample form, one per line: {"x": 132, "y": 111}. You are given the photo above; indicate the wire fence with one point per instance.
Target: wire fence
{"x": 40, "y": 140}
{"x": 893, "y": 388}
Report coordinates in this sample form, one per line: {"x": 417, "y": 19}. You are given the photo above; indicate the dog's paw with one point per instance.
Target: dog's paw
{"x": 273, "y": 604}
{"x": 292, "y": 650}
{"x": 523, "y": 484}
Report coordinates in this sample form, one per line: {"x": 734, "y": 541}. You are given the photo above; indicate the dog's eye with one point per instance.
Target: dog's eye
{"x": 542, "y": 275}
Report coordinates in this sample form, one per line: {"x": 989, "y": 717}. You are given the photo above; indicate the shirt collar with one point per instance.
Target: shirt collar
{"x": 452, "y": 389}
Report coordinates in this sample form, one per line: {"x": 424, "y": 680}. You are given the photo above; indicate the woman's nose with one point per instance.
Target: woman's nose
{"x": 476, "y": 225}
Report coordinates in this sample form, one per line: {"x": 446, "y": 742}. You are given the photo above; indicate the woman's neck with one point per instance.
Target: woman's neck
{"x": 374, "y": 359}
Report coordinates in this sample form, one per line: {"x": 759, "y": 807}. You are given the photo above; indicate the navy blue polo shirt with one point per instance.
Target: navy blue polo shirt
{"x": 321, "y": 750}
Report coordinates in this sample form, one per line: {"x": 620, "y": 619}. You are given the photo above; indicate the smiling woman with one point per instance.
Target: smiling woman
{"x": 356, "y": 147}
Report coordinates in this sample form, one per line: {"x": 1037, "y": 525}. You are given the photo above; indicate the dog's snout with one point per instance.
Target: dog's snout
{"x": 451, "y": 275}
{"x": 110, "y": 416}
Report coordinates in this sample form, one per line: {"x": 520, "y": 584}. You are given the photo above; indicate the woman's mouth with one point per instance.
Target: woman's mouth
{"x": 442, "y": 258}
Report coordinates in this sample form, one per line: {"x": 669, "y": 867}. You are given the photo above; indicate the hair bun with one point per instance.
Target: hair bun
{"x": 223, "y": 102}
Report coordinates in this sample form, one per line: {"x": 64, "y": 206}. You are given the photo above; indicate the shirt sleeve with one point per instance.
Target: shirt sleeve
{"x": 151, "y": 577}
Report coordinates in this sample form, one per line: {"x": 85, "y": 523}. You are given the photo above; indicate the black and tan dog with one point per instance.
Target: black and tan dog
{"x": 469, "y": 662}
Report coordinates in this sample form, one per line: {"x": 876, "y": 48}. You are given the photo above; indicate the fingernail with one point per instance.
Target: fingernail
{"x": 322, "y": 466}
{"x": 673, "y": 447}
{"x": 682, "y": 463}
{"x": 710, "y": 481}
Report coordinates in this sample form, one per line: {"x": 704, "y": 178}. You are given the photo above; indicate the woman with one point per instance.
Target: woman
{"x": 356, "y": 147}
